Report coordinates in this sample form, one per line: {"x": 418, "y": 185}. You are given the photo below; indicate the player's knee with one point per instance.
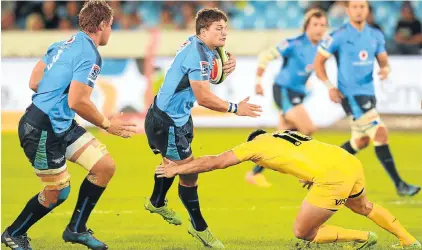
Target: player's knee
{"x": 105, "y": 167}
{"x": 381, "y": 136}
{"x": 53, "y": 198}
{"x": 189, "y": 180}
{"x": 303, "y": 234}
{"x": 362, "y": 142}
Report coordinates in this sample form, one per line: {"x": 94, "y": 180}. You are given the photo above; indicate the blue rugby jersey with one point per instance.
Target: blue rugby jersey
{"x": 355, "y": 52}
{"x": 298, "y": 56}
{"x": 75, "y": 59}
{"x": 193, "y": 61}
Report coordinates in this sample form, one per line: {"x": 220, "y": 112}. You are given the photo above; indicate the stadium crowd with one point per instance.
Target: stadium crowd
{"x": 398, "y": 20}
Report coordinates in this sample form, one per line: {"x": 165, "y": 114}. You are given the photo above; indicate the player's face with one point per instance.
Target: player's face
{"x": 316, "y": 28}
{"x": 358, "y": 11}
{"x": 106, "y": 33}
{"x": 217, "y": 33}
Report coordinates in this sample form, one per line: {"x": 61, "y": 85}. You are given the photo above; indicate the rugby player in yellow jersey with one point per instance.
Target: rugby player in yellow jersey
{"x": 336, "y": 176}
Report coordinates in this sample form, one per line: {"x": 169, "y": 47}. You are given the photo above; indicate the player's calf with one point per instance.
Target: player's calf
{"x": 359, "y": 205}
{"x": 382, "y": 217}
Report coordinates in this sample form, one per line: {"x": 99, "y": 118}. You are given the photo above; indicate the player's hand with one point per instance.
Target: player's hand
{"x": 166, "y": 170}
{"x": 306, "y": 184}
{"x": 120, "y": 127}
{"x": 335, "y": 95}
{"x": 230, "y": 65}
{"x": 383, "y": 73}
{"x": 248, "y": 109}
{"x": 259, "y": 90}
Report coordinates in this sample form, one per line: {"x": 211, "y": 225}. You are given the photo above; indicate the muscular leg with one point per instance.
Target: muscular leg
{"x": 93, "y": 156}
{"x": 188, "y": 194}
{"x": 55, "y": 192}
{"x": 309, "y": 225}
{"x": 384, "y": 155}
{"x": 381, "y": 216}
{"x": 161, "y": 187}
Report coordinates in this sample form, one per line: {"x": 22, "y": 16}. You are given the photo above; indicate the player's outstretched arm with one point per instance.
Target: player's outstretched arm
{"x": 200, "y": 165}
{"x": 36, "y": 75}
{"x": 79, "y": 100}
{"x": 208, "y": 99}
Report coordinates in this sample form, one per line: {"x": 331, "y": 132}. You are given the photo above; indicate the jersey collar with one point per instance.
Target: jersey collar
{"x": 353, "y": 29}
{"x": 87, "y": 37}
{"x": 205, "y": 46}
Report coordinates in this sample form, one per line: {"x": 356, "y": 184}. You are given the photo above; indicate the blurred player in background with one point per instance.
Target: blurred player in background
{"x": 168, "y": 123}
{"x": 335, "y": 183}
{"x": 356, "y": 45}
{"x": 63, "y": 82}
{"x": 289, "y": 89}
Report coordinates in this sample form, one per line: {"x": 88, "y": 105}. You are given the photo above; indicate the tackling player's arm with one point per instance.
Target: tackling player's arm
{"x": 199, "y": 165}
{"x": 327, "y": 47}
{"x": 244, "y": 152}
{"x": 36, "y": 75}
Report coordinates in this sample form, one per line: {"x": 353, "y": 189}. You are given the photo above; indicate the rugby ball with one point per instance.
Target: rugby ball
{"x": 217, "y": 76}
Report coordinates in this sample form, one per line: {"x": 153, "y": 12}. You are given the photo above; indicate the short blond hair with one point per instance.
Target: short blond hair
{"x": 93, "y": 13}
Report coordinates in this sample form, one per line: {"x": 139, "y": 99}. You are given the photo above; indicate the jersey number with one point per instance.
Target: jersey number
{"x": 55, "y": 58}
{"x": 294, "y": 138}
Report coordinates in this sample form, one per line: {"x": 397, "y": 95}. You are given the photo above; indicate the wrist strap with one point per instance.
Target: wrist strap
{"x": 232, "y": 107}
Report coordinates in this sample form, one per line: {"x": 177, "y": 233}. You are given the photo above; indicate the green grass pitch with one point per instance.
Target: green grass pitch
{"x": 241, "y": 215}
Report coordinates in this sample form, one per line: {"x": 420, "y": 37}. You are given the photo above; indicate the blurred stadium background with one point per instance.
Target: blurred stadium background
{"x": 145, "y": 39}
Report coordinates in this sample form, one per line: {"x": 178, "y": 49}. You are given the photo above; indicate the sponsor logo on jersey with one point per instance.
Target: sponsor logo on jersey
{"x": 93, "y": 74}
{"x": 70, "y": 40}
{"x": 363, "y": 55}
{"x": 205, "y": 68}
{"x": 340, "y": 202}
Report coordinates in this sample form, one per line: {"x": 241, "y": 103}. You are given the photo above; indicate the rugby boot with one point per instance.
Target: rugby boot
{"x": 371, "y": 241}
{"x": 20, "y": 242}
{"x": 85, "y": 238}
{"x": 404, "y": 189}
{"x": 168, "y": 214}
{"x": 205, "y": 237}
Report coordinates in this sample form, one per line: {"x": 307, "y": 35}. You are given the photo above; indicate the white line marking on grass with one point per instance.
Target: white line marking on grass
{"x": 406, "y": 202}
{"x": 253, "y": 208}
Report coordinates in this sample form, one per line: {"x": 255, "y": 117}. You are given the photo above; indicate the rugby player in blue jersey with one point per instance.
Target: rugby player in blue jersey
{"x": 289, "y": 89}
{"x": 63, "y": 82}
{"x": 356, "y": 45}
{"x": 168, "y": 123}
